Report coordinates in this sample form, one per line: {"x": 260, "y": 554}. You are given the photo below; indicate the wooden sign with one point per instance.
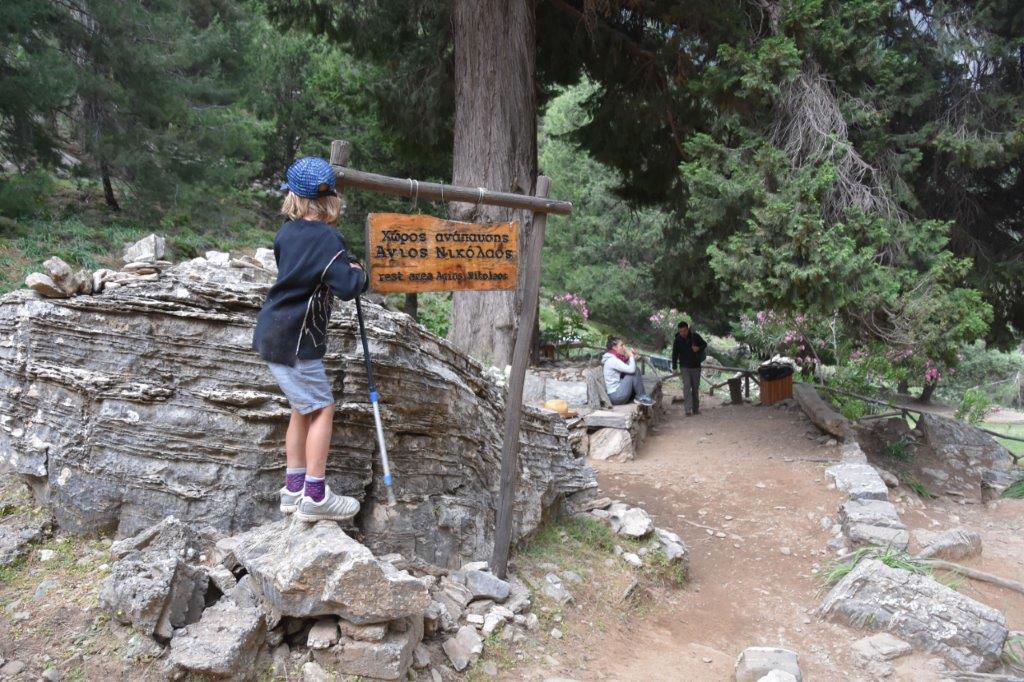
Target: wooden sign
{"x": 415, "y": 253}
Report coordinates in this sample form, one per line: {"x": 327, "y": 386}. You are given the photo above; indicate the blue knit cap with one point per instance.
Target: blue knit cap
{"x": 310, "y": 177}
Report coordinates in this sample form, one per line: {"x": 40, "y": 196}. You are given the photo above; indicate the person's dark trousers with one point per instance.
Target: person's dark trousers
{"x": 631, "y": 386}
{"x": 691, "y": 389}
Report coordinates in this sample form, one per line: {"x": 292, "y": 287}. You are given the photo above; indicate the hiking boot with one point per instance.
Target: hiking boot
{"x": 645, "y": 400}
{"x": 289, "y": 500}
{"x": 332, "y": 508}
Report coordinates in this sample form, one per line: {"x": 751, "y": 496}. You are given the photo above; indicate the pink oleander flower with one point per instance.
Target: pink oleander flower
{"x": 762, "y": 317}
{"x": 856, "y": 355}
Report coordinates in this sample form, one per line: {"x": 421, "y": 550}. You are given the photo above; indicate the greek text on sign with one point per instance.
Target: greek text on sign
{"x": 413, "y": 253}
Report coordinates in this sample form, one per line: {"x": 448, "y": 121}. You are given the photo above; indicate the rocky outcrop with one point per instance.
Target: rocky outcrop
{"x": 146, "y": 400}
{"x": 945, "y": 456}
{"x": 921, "y": 611}
{"x": 962, "y": 460}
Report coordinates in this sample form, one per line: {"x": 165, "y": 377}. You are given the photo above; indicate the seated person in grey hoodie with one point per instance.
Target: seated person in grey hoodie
{"x": 621, "y": 377}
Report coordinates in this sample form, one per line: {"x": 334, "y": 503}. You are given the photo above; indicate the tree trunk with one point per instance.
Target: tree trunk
{"x": 412, "y": 306}
{"x": 108, "y": 189}
{"x": 926, "y": 393}
{"x": 495, "y": 147}
{"x": 903, "y": 387}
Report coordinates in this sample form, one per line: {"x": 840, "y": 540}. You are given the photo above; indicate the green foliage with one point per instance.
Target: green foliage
{"x": 35, "y": 81}
{"x": 993, "y": 372}
{"x": 434, "y": 311}
{"x": 974, "y": 405}
{"x": 605, "y": 250}
{"x": 22, "y": 195}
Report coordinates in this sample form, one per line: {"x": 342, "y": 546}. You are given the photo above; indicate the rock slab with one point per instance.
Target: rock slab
{"x": 388, "y": 659}
{"x": 881, "y": 647}
{"x": 921, "y": 611}
{"x": 464, "y": 648}
{"x": 756, "y": 662}
{"x": 612, "y": 443}
{"x": 956, "y": 543}
{"x": 486, "y": 585}
{"x": 223, "y": 644}
{"x": 859, "y": 481}
{"x": 307, "y": 570}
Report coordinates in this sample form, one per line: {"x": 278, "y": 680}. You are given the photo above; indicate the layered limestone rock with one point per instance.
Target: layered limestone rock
{"x": 921, "y": 611}
{"x": 146, "y": 401}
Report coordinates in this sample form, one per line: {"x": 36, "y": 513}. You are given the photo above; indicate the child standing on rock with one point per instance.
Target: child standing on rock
{"x": 291, "y": 333}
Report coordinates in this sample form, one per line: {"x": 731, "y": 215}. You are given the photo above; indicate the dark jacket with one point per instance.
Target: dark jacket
{"x": 682, "y": 351}
{"x": 312, "y": 263}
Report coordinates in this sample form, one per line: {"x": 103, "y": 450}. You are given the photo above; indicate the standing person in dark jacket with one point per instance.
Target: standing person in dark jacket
{"x": 687, "y": 350}
{"x": 291, "y": 333}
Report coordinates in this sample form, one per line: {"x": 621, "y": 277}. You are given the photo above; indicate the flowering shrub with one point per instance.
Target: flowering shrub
{"x": 572, "y": 314}
{"x": 665, "y": 322}
{"x": 798, "y": 336}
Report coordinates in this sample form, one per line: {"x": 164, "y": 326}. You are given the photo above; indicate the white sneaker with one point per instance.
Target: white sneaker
{"x": 332, "y": 508}
{"x": 289, "y": 500}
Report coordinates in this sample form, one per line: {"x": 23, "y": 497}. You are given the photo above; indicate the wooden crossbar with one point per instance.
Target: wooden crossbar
{"x": 434, "y": 191}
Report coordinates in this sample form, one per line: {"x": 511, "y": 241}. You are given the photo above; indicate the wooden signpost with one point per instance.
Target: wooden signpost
{"x": 460, "y": 267}
{"x": 416, "y": 253}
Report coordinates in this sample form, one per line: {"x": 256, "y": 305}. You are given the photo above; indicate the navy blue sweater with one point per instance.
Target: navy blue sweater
{"x": 312, "y": 263}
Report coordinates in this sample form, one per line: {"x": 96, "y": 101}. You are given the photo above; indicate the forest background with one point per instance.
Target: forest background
{"x": 840, "y": 181}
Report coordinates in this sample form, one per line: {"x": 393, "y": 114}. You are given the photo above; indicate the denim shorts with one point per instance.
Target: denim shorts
{"x": 305, "y": 385}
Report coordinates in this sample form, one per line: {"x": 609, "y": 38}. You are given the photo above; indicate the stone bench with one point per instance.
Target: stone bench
{"x": 593, "y": 432}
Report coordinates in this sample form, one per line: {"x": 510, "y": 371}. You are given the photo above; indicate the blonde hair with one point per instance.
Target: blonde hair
{"x": 325, "y": 209}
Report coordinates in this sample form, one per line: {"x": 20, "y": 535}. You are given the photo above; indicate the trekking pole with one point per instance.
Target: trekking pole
{"x": 374, "y": 399}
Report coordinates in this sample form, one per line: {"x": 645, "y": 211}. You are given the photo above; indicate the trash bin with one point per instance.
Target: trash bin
{"x": 776, "y": 382}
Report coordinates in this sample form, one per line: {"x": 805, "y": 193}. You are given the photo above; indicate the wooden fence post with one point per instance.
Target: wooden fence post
{"x": 516, "y": 380}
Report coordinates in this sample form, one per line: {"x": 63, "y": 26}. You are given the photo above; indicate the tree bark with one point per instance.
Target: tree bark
{"x": 495, "y": 147}
{"x": 108, "y": 189}
{"x": 903, "y": 387}
{"x": 926, "y": 393}
{"x": 412, "y": 306}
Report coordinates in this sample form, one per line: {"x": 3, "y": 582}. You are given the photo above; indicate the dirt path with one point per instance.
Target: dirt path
{"x": 753, "y": 474}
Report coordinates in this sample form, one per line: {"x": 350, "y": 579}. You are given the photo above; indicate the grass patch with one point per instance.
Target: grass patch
{"x": 550, "y": 544}
{"x": 893, "y": 558}
{"x": 550, "y": 541}
{"x": 900, "y": 449}
{"x": 919, "y": 488}
{"x": 1015, "y": 491}
{"x": 1013, "y": 654}
{"x": 657, "y": 567}
{"x": 1016, "y": 430}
